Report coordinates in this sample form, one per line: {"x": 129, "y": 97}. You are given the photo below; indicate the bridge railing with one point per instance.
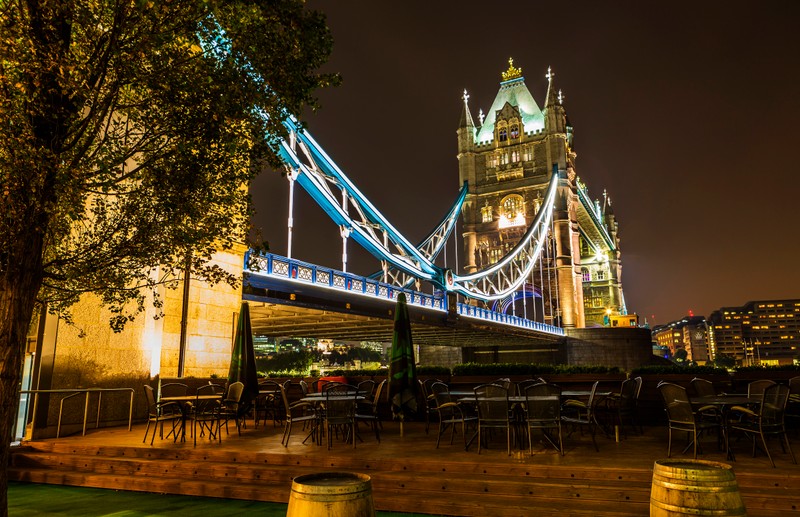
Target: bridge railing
{"x": 263, "y": 269}
{"x": 294, "y": 270}
{"x": 507, "y": 319}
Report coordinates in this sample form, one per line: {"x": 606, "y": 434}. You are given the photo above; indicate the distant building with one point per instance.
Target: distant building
{"x": 761, "y": 332}
{"x": 507, "y": 158}
{"x": 689, "y": 333}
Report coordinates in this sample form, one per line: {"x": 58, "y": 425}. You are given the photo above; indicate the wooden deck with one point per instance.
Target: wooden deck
{"x": 408, "y": 473}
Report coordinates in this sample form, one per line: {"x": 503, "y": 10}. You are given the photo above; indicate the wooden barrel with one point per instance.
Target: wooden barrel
{"x": 332, "y": 494}
{"x": 694, "y": 487}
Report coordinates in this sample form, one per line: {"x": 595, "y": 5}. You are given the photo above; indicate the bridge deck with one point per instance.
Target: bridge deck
{"x": 357, "y": 319}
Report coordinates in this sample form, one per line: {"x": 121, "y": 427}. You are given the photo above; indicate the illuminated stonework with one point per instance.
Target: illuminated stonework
{"x": 512, "y": 72}
{"x": 507, "y": 161}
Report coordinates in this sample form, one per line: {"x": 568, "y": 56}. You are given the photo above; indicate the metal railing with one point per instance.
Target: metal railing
{"x": 73, "y": 393}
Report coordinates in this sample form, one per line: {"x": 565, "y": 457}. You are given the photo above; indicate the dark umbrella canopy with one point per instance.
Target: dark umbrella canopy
{"x": 243, "y": 358}
{"x": 403, "y": 385}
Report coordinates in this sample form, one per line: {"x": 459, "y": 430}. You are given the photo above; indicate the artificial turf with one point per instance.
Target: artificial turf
{"x": 26, "y": 499}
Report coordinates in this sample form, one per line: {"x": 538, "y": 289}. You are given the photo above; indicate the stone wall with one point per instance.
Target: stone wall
{"x": 433, "y": 355}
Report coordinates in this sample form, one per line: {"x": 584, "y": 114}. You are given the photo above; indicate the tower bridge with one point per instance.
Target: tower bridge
{"x": 538, "y": 254}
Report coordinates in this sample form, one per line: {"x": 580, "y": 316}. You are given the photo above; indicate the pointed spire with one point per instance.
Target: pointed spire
{"x": 466, "y": 116}
{"x": 552, "y": 97}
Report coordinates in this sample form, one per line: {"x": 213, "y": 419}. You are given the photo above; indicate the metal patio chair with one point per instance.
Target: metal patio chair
{"x": 766, "y": 420}
{"x": 542, "y": 409}
{"x": 683, "y": 417}
{"x": 160, "y": 412}
{"x": 450, "y": 413}
{"x": 579, "y": 414}
{"x": 494, "y": 412}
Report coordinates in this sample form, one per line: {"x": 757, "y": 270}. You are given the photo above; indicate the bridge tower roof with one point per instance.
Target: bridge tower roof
{"x": 514, "y": 92}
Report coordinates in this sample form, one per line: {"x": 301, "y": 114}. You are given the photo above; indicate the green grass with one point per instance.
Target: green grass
{"x": 35, "y": 499}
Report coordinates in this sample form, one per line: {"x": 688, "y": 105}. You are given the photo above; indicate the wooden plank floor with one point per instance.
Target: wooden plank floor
{"x": 408, "y": 473}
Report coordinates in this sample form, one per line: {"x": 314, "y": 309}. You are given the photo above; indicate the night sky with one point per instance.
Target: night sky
{"x": 685, "y": 112}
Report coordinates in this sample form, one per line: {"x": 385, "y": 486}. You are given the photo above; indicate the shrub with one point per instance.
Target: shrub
{"x": 776, "y": 368}
{"x": 528, "y": 369}
{"x": 675, "y": 369}
{"x": 433, "y": 370}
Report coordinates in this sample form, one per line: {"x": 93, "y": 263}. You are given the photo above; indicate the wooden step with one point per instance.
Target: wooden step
{"x": 420, "y": 485}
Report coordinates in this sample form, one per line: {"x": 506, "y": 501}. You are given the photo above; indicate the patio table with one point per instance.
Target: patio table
{"x": 183, "y": 402}
{"x": 724, "y": 402}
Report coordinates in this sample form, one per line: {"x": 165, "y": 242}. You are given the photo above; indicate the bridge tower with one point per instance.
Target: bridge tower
{"x": 507, "y": 158}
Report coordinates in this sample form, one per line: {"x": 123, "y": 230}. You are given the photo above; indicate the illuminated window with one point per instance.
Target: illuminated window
{"x": 486, "y": 214}
{"x": 585, "y": 274}
{"x": 513, "y": 211}
{"x": 600, "y": 275}
{"x": 527, "y": 154}
{"x": 514, "y": 131}
{"x": 514, "y": 156}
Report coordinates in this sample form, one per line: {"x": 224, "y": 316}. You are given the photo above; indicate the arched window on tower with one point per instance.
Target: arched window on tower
{"x": 502, "y": 134}
{"x": 513, "y": 211}
{"x": 585, "y": 274}
{"x": 515, "y": 131}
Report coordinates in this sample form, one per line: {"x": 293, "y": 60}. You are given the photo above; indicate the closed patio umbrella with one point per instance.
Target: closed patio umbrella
{"x": 403, "y": 385}
{"x": 243, "y": 359}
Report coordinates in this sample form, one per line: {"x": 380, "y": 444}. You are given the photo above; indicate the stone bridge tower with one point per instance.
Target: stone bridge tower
{"x": 508, "y": 158}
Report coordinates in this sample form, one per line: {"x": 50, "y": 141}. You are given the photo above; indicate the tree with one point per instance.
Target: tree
{"x": 128, "y": 136}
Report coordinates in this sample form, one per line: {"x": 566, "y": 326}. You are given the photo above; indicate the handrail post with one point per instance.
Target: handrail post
{"x": 130, "y": 410}
{"x": 35, "y": 407}
{"x": 99, "y": 401}
{"x": 85, "y": 412}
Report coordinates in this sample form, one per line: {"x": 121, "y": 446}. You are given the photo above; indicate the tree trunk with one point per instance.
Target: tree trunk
{"x": 19, "y": 286}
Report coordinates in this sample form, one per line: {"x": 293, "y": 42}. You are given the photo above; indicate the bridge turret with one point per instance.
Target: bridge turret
{"x": 555, "y": 116}
{"x": 466, "y": 128}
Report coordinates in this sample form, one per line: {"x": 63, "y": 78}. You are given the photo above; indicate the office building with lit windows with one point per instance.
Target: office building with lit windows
{"x": 760, "y": 332}
{"x": 689, "y": 333}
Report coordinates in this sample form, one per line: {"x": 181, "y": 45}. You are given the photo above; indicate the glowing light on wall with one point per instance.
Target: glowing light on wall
{"x": 505, "y": 222}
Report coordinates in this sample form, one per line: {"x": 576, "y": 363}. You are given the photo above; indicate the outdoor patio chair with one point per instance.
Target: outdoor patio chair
{"x": 766, "y": 420}
{"x": 232, "y": 407}
{"x": 268, "y": 403}
{"x": 303, "y": 387}
{"x": 703, "y": 387}
{"x": 756, "y": 388}
{"x": 506, "y": 383}
{"x": 430, "y": 400}
{"x": 450, "y": 413}
{"x": 160, "y": 412}
{"x": 543, "y": 412}
{"x": 579, "y": 414}
{"x": 340, "y": 412}
{"x": 368, "y": 413}
{"x": 793, "y": 405}
{"x": 494, "y": 412}
{"x": 621, "y": 407}
{"x": 205, "y": 412}
{"x": 173, "y": 389}
{"x": 683, "y": 417}
{"x": 523, "y": 385}
{"x": 366, "y": 389}
{"x": 300, "y": 412}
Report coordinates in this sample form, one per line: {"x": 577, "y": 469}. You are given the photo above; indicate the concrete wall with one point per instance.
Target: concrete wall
{"x": 626, "y": 348}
